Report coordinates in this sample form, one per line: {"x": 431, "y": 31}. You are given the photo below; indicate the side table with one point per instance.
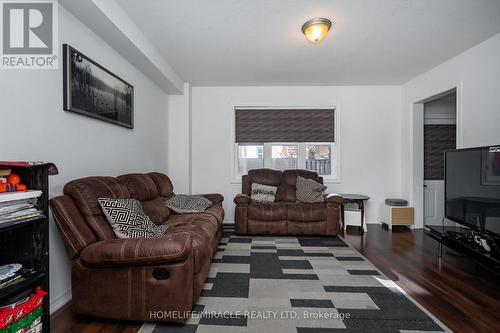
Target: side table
{"x": 358, "y": 199}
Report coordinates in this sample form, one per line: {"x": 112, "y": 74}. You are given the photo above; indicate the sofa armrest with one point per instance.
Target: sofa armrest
{"x": 334, "y": 198}
{"x": 241, "y": 199}
{"x": 216, "y": 198}
{"x": 121, "y": 252}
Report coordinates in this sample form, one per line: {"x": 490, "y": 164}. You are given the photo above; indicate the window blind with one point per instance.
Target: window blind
{"x": 437, "y": 139}
{"x": 284, "y": 125}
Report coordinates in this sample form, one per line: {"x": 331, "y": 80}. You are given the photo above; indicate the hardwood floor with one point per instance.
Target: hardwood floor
{"x": 464, "y": 297}
{"x": 65, "y": 321}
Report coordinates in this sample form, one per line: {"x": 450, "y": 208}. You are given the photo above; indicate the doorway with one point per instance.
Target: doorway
{"x": 440, "y": 133}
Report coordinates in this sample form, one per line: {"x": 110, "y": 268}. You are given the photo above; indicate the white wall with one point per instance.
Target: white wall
{"x": 369, "y": 138}
{"x": 35, "y": 127}
{"x": 375, "y": 153}
{"x": 476, "y": 74}
{"x": 179, "y": 140}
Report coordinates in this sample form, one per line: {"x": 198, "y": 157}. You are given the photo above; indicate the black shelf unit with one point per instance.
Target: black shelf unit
{"x": 20, "y": 223}
{"x": 446, "y": 237}
{"x": 18, "y": 288}
{"x": 26, "y": 241}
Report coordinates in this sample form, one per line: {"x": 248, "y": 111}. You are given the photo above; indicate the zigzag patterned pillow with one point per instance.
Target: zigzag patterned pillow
{"x": 186, "y": 204}
{"x": 128, "y": 220}
{"x": 309, "y": 191}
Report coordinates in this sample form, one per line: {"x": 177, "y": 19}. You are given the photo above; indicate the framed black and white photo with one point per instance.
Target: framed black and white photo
{"x": 92, "y": 90}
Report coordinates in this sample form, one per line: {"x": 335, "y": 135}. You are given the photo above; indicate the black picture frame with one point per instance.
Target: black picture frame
{"x": 93, "y": 91}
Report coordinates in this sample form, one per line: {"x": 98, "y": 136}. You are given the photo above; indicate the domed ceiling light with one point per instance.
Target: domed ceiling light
{"x": 316, "y": 29}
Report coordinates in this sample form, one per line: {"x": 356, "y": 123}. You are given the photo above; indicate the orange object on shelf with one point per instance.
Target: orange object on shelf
{"x": 13, "y": 184}
{"x": 22, "y": 187}
{"x": 13, "y": 179}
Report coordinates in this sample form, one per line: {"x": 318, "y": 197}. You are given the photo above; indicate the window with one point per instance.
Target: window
{"x": 319, "y": 158}
{"x": 250, "y": 157}
{"x": 286, "y": 139}
{"x": 284, "y": 157}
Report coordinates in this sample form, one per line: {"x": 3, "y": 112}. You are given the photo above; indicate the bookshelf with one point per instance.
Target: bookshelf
{"x": 26, "y": 241}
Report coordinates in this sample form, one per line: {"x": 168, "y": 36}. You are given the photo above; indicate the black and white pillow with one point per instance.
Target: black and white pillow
{"x": 263, "y": 193}
{"x": 128, "y": 220}
{"x": 309, "y": 191}
{"x": 186, "y": 204}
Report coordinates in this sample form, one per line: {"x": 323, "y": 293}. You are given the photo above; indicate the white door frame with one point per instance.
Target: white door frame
{"x": 417, "y": 147}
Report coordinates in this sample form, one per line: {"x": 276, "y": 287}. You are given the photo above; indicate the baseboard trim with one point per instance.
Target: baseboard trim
{"x": 59, "y": 301}
{"x": 367, "y": 221}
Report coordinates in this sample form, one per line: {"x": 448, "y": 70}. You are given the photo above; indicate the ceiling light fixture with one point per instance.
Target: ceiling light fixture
{"x": 316, "y": 29}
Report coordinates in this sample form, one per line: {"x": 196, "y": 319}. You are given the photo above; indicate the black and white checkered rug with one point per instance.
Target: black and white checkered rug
{"x": 298, "y": 285}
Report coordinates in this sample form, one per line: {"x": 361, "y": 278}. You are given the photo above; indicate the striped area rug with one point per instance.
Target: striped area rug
{"x": 298, "y": 285}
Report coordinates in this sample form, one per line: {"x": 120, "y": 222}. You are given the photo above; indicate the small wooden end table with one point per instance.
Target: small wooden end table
{"x": 358, "y": 199}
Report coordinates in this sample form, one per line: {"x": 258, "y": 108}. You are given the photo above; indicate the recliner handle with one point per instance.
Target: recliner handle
{"x": 161, "y": 274}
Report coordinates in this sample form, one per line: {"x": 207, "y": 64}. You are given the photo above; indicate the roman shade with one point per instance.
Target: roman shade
{"x": 284, "y": 125}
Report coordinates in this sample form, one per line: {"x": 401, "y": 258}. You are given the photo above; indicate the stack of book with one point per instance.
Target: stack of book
{"x": 19, "y": 205}
{"x": 16, "y": 202}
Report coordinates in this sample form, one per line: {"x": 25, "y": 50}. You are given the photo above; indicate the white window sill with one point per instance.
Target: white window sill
{"x": 325, "y": 180}
{"x": 331, "y": 181}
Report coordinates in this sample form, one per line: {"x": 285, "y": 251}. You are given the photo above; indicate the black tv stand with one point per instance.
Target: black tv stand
{"x": 459, "y": 240}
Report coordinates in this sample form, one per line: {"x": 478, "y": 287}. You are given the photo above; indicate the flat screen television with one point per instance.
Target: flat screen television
{"x": 472, "y": 188}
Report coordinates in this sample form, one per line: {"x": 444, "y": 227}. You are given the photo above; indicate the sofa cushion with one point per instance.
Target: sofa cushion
{"x": 215, "y": 198}
{"x": 74, "y": 230}
{"x": 258, "y": 227}
{"x": 263, "y": 193}
{"x": 128, "y": 219}
{"x": 156, "y": 210}
{"x": 310, "y": 228}
{"x": 217, "y": 212}
{"x": 309, "y": 191}
{"x": 267, "y": 212}
{"x": 202, "y": 228}
{"x": 170, "y": 248}
{"x": 140, "y": 186}
{"x": 85, "y": 192}
{"x": 186, "y": 204}
{"x": 143, "y": 188}
{"x": 307, "y": 212}
{"x": 290, "y": 182}
{"x": 163, "y": 184}
{"x": 266, "y": 177}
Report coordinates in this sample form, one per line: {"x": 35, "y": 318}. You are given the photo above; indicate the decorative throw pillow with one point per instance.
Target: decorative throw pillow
{"x": 309, "y": 191}
{"x": 263, "y": 193}
{"x": 128, "y": 219}
{"x": 185, "y": 204}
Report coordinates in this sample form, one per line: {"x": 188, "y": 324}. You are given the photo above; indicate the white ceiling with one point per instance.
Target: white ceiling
{"x": 259, "y": 42}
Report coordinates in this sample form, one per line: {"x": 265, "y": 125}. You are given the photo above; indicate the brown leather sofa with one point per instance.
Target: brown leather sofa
{"x": 285, "y": 215}
{"x": 144, "y": 279}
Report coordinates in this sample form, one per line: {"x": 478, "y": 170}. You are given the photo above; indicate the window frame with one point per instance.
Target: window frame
{"x": 301, "y": 156}
{"x": 335, "y": 177}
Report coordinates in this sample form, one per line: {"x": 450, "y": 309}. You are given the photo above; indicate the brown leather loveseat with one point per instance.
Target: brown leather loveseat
{"x": 285, "y": 215}
{"x": 144, "y": 279}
